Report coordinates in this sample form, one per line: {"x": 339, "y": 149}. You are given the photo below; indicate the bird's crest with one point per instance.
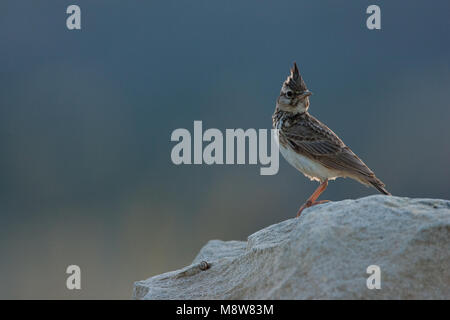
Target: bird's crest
{"x": 295, "y": 80}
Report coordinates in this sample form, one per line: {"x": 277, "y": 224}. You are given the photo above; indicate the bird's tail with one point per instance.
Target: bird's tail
{"x": 379, "y": 185}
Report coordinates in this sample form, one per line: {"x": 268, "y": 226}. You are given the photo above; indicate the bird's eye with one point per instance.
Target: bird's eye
{"x": 289, "y": 94}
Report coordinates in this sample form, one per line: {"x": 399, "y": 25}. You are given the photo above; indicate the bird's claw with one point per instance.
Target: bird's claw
{"x": 308, "y": 204}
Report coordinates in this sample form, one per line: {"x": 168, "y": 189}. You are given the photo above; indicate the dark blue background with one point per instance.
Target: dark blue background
{"x": 86, "y": 117}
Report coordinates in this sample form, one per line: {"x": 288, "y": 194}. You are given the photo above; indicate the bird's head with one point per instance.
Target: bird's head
{"x": 294, "y": 96}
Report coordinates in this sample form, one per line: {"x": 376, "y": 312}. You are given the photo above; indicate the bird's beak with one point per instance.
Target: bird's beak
{"x": 305, "y": 94}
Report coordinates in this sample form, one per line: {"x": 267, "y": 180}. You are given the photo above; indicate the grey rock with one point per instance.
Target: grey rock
{"x": 324, "y": 254}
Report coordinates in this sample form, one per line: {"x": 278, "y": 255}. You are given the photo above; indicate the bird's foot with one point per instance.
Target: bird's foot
{"x": 308, "y": 204}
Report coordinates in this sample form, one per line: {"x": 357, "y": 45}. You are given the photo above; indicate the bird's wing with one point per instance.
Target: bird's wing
{"x": 315, "y": 140}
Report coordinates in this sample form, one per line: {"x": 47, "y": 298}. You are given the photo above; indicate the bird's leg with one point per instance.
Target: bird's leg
{"x": 312, "y": 199}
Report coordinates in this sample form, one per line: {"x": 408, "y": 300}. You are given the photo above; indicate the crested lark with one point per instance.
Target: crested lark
{"x": 310, "y": 146}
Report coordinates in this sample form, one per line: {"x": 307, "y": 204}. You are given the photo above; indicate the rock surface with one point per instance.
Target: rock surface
{"x": 324, "y": 255}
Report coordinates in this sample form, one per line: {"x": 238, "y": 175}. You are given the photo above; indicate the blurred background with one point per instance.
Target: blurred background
{"x": 86, "y": 117}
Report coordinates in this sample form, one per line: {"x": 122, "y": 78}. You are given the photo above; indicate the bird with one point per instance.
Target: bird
{"x": 310, "y": 146}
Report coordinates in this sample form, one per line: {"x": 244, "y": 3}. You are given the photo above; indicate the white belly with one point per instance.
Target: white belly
{"x": 308, "y": 167}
